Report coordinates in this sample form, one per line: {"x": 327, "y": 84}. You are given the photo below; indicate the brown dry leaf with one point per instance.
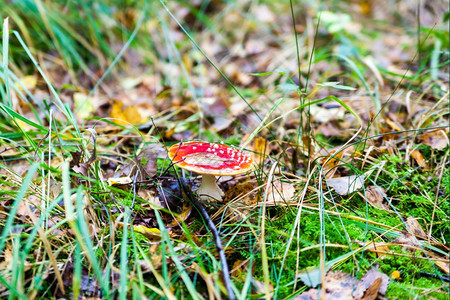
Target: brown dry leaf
{"x": 347, "y": 184}
{"x": 418, "y": 157}
{"x": 339, "y": 285}
{"x": 308, "y": 144}
{"x": 375, "y": 247}
{"x": 415, "y": 228}
{"x": 367, "y": 284}
{"x": 6, "y": 258}
{"x": 394, "y": 125}
{"x": 155, "y": 259}
{"x": 408, "y": 241}
{"x": 129, "y": 115}
{"x": 238, "y": 268}
{"x": 6, "y": 151}
{"x": 437, "y": 139}
{"x": 375, "y": 196}
{"x": 221, "y": 123}
{"x": 33, "y": 202}
{"x": 330, "y": 129}
{"x": 332, "y": 160}
{"x": 185, "y": 213}
{"x": 443, "y": 265}
{"x": 145, "y": 162}
{"x": 280, "y": 192}
{"x": 240, "y": 189}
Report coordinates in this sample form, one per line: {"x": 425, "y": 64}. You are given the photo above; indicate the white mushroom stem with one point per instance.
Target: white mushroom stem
{"x": 209, "y": 190}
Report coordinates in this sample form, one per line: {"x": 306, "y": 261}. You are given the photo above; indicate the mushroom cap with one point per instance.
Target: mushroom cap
{"x": 210, "y": 158}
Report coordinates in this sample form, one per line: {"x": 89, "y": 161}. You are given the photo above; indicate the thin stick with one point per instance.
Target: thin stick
{"x": 216, "y": 235}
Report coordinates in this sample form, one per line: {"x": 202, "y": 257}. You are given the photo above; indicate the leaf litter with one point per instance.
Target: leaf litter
{"x": 134, "y": 99}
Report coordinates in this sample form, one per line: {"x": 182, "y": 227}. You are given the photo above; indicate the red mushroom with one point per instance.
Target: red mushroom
{"x": 210, "y": 160}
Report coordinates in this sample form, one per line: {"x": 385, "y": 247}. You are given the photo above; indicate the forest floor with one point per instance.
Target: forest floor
{"x": 343, "y": 106}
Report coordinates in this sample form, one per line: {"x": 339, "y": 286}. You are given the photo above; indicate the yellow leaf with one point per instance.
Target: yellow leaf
{"x": 129, "y": 115}
{"x": 119, "y": 180}
{"x": 260, "y": 148}
{"x": 28, "y": 82}
{"x": 151, "y": 233}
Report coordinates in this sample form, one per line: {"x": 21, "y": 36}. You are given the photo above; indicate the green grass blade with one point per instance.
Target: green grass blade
{"x": 123, "y": 281}
{"x": 5, "y": 56}
{"x": 184, "y": 276}
{"x": 15, "y": 205}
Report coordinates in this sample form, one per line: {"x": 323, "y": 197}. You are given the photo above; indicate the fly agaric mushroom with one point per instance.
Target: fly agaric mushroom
{"x": 210, "y": 160}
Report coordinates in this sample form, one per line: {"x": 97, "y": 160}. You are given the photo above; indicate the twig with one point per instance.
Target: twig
{"x": 216, "y": 235}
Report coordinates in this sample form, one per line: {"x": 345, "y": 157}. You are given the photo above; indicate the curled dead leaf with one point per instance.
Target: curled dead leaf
{"x": 415, "y": 228}
{"x": 375, "y": 196}
{"x": 145, "y": 162}
{"x": 437, "y": 139}
{"x": 280, "y": 192}
{"x": 347, "y": 184}
{"x": 418, "y": 157}
{"x": 118, "y": 181}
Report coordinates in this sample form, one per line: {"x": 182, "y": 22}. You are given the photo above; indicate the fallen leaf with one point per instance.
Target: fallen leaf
{"x": 280, "y": 192}
{"x": 437, "y": 139}
{"x": 367, "y": 282}
{"x": 418, "y": 157}
{"x": 443, "y": 265}
{"x": 347, "y": 184}
{"x": 331, "y": 160}
{"x": 145, "y": 162}
{"x": 372, "y": 292}
{"x": 375, "y": 247}
{"x": 340, "y": 285}
{"x": 311, "y": 276}
{"x": 129, "y": 115}
{"x": 153, "y": 234}
{"x": 28, "y": 82}
{"x": 24, "y": 126}
{"x": 119, "y": 180}
{"x": 415, "y": 228}
{"x": 31, "y": 201}
{"x": 259, "y": 148}
{"x": 221, "y": 123}
{"x": 238, "y": 269}
{"x": 260, "y": 288}
{"x": 408, "y": 241}
{"x": 182, "y": 217}
{"x": 376, "y": 197}
{"x": 169, "y": 194}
